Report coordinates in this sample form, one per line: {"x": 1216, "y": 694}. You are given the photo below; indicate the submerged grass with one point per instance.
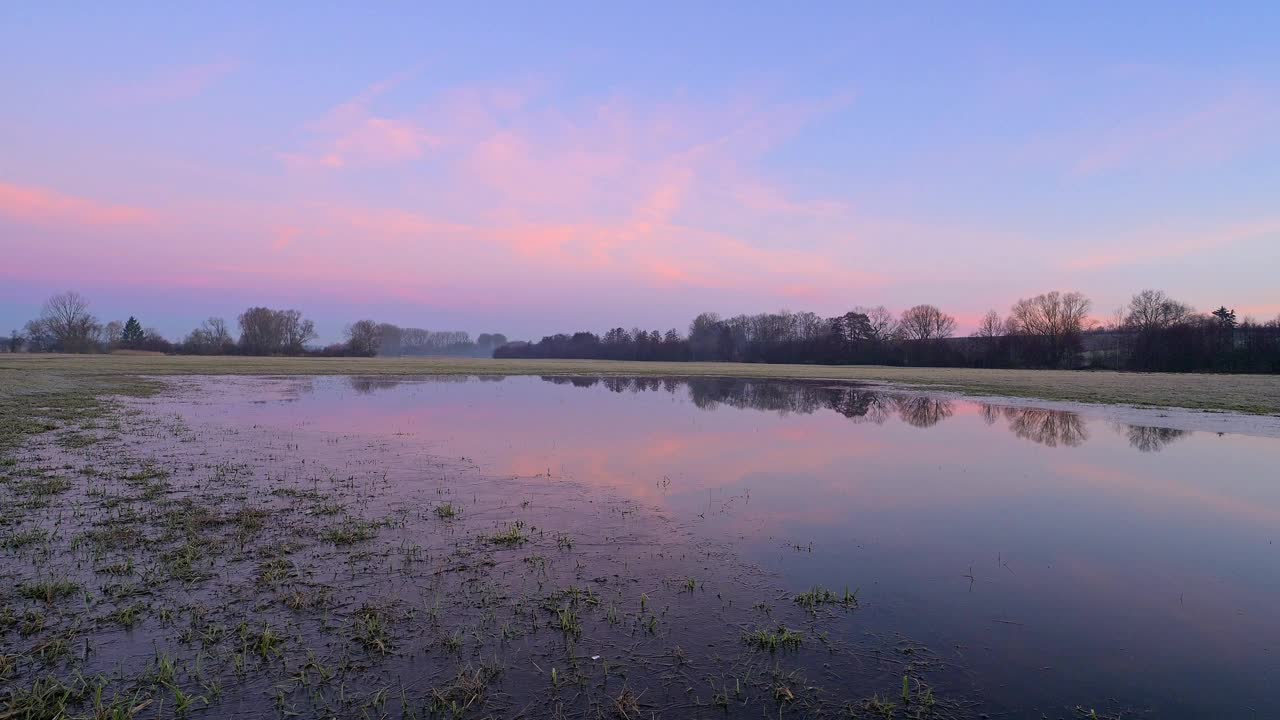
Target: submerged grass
{"x": 251, "y": 581}
{"x": 48, "y": 591}
{"x": 817, "y": 596}
{"x": 351, "y": 531}
{"x": 782, "y": 638}
{"x": 775, "y": 639}
{"x": 514, "y": 535}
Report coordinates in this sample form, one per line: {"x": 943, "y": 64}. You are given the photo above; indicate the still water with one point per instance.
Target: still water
{"x": 1050, "y": 557}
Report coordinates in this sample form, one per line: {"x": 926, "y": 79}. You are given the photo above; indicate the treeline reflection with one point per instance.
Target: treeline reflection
{"x": 859, "y": 403}
{"x": 1051, "y": 428}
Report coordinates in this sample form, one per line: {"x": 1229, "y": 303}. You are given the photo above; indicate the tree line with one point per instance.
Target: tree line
{"x": 1050, "y": 330}
{"x": 369, "y": 338}
{"x": 1053, "y": 330}
{"x": 67, "y": 324}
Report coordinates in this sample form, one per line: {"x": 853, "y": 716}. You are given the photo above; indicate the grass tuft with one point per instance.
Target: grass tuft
{"x": 774, "y": 640}
{"x": 48, "y": 591}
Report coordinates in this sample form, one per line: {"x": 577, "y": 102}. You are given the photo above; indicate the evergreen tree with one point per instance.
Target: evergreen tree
{"x": 132, "y": 335}
{"x": 1227, "y": 317}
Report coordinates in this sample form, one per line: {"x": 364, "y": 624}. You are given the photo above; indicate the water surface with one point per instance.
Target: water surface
{"x": 1050, "y": 557}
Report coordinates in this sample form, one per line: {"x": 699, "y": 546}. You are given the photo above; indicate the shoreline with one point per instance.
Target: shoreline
{"x": 1251, "y": 395}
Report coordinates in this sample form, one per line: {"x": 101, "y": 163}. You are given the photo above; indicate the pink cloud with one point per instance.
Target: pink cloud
{"x": 599, "y": 195}
{"x": 41, "y": 206}
{"x": 351, "y": 135}
{"x": 603, "y": 190}
{"x": 367, "y": 141}
{"x": 392, "y": 224}
{"x": 1169, "y": 492}
{"x": 765, "y": 199}
{"x": 283, "y": 237}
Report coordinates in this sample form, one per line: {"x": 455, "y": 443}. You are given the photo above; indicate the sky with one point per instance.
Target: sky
{"x": 530, "y": 168}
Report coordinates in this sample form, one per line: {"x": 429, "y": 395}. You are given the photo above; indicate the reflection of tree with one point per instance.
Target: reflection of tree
{"x": 1150, "y": 439}
{"x": 861, "y": 404}
{"x": 574, "y": 380}
{"x": 922, "y": 411}
{"x": 780, "y": 397}
{"x": 648, "y": 384}
{"x": 1047, "y": 427}
{"x": 856, "y": 402}
{"x": 786, "y": 397}
{"x": 617, "y": 384}
{"x": 368, "y": 385}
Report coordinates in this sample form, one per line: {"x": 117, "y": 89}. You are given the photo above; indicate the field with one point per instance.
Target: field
{"x": 157, "y": 563}
{"x": 1252, "y": 394}
{"x": 165, "y": 551}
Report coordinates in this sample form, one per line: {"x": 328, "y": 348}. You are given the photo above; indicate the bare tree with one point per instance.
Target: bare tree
{"x": 66, "y": 319}
{"x": 296, "y": 331}
{"x": 1117, "y": 320}
{"x": 389, "y": 337}
{"x": 991, "y": 326}
{"x": 1152, "y": 310}
{"x": 881, "y": 325}
{"x": 112, "y": 333}
{"x": 211, "y": 338}
{"x": 218, "y": 333}
{"x": 364, "y": 337}
{"x": 704, "y": 336}
{"x": 1055, "y": 318}
{"x": 264, "y": 331}
{"x": 260, "y": 332}
{"x": 926, "y": 322}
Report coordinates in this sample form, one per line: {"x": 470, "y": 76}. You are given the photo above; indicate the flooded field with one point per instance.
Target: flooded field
{"x": 634, "y": 548}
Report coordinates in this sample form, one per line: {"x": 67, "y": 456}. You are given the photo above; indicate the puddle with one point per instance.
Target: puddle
{"x": 582, "y": 547}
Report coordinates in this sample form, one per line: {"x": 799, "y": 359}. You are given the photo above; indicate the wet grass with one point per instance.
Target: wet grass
{"x": 274, "y": 574}
{"x": 350, "y": 532}
{"x": 24, "y": 538}
{"x": 773, "y": 640}
{"x": 47, "y": 591}
{"x": 35, "y": 399}
{"x": 818, "y": 596}
{"x": 512, "y": 536}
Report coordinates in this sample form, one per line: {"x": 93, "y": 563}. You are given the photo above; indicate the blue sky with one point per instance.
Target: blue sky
{"x": 506, "y": 167}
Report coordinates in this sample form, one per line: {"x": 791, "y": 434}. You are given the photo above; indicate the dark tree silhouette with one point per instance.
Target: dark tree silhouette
{"x": 131, "y": 335}
{"x": 1225, "y": 316}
